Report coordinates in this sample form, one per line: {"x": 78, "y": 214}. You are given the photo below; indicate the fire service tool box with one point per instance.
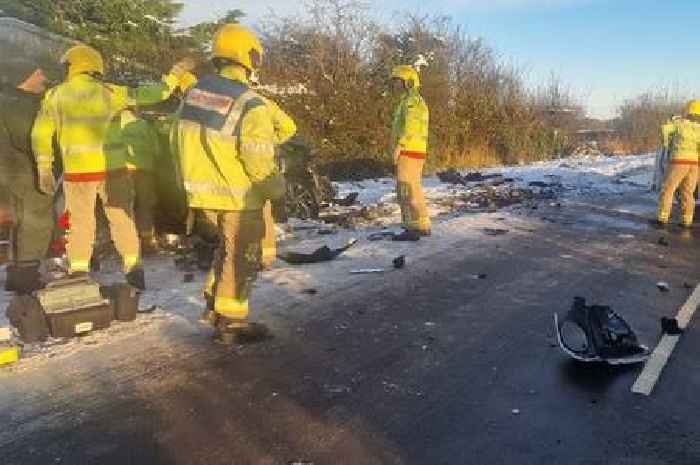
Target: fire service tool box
{"x": 74, "y": 306}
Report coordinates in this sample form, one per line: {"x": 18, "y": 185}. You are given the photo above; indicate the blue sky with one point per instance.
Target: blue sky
{"x": 607, "y": 50}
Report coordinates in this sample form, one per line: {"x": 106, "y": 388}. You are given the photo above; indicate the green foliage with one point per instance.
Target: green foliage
{"x": 136, "y": 36}
{"x": 481, "y": 111}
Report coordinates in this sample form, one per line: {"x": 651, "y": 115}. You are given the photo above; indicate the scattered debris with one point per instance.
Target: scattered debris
{"x": 663, "y": 286}
{"x": 367, "y": 271}
{"x": 188, "y": 278}
{"x": 670, "y": 326}
{"x": 300, "y": 462}
{"x": 327, "y": 232}
{"x": 494, "y": 231}
{"x": 399, "y": 262}
{"x": 567, "y": 257}
{"x": 478, "y": 276}
{"x": 597, "y": 334}
{"x": 310, "y": 291}
{"x": 323, "y": 254}
{"x": 663, "y": 241}
{"x": 381, "y": 235}
{"x": 407, "y": 236}
{"x": 515, "y": 411}
{"x": 348, "y": 200}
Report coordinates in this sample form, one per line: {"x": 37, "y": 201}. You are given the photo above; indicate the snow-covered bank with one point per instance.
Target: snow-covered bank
{"x": 578, "y": 176}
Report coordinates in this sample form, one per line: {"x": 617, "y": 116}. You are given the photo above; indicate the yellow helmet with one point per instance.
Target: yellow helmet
{"x": 693, "y": 108}
{"x": 83, "y": 59}
{"x": 407, "y": 74}
{"x": 239, "y": 44}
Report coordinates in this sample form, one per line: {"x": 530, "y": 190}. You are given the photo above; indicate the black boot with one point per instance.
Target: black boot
{"x": 209, "y": 316}
{"x": 233, "y": 331}
{"x": 137, "y": 278}
{"x": 656, "y": 224}
{"x": 23, "y": 277}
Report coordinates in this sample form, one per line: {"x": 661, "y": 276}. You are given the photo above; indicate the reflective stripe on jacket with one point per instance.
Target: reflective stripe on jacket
{"x": 410, "y": 125}
{"x": 226, "y": 136}
{"x": 684, "y": 141}
{"x": 81, "y": 112}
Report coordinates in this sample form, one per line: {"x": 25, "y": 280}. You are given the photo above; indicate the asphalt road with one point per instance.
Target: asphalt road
{"x": 426, "y": 366}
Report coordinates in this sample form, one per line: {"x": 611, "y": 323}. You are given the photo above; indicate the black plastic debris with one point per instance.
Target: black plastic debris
{"x": 322, "y": 254}
{"x": 670, "y": 326}
{"x": 598, "y": 334}
{"x": 348, "y": 200}
{"x": 407, "y": 236}
{"x": 494, "y": 231}
{"x": 663, "y": 242}
{"x": 663, "y": 287}
{"x": 310, "y": 291}
{"x": 452, "y": 176}
{"x": 381, "y": 235}
{"x": 400, "y": 262}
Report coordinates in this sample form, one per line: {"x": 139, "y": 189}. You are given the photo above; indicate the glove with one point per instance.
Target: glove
{"x": 47, "y": 183}
{"x": 182, "y": 67}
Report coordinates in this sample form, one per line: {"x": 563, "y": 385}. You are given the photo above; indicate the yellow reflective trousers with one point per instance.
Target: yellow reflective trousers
{"x": 116, "y": 195}
{"x": 409, "y": 190}
{"x": 685, "y": 176}
{"x": 236, "y": 262}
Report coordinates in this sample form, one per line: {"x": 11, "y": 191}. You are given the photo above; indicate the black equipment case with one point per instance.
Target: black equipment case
{"x": 74, "y": 306}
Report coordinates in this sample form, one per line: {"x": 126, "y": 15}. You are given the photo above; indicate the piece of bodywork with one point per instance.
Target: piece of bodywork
{"x": 322, "y": 254}
{"x": 597, "y": 334}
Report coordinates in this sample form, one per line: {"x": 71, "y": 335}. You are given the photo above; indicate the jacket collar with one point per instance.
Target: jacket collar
{"x": 235, "y": 73}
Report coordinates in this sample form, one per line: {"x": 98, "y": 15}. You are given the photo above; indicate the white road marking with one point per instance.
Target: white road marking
{"x": 652, "y": 370}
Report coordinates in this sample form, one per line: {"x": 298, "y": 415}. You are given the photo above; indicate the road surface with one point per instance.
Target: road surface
{"x": 423, "y": 366}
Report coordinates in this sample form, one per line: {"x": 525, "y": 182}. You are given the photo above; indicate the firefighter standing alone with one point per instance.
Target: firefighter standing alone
{"x": 226, "y": 139}
{"x": 681, "y": 138}
{"x": 410, "y": 146}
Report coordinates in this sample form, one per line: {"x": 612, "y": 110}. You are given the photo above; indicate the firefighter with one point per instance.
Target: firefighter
{"x": 142, "y": 145}
{"x": 29, "y": 210}
{"x": 226, "y": 140}
{"x": 285, "y": 130}
{"x": 681, "y": 138}
{"x": 79, "y": 113}
{"x": 410, "y": 145}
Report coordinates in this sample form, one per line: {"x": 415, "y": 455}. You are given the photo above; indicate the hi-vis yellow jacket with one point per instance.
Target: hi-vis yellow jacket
{"x": 682, "y": 138}
{"x": 80, "y": 112}
{"x": 410, "y": 127}
{"x": 226, "y": 136}
{"x": 141, "y": 141}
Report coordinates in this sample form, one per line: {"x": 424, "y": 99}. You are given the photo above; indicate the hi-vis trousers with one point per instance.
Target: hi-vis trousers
{"x": 237, "y": 261}
{"x": 685, "y": 176}
{"x": 409, "y": 178}
{"x": 117, "y": 196}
